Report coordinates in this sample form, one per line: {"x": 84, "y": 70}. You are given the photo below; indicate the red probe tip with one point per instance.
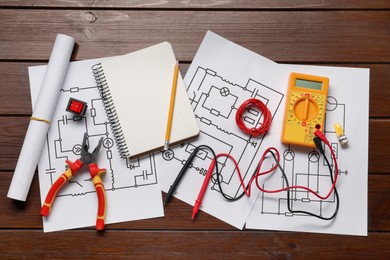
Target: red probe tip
{"x": 45, "y": 210}
{"x": 99, "y": 224}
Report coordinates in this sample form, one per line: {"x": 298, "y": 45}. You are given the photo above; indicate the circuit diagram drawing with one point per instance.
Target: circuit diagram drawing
{"x": 64, "y": 143}
{"x": 313, "y": 173}
{"x": 215, "y": 100}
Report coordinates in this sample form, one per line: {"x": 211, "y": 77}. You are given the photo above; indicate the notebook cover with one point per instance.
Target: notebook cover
{"x": 140, "y": 86}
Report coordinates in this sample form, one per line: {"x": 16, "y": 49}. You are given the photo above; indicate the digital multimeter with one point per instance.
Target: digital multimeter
{"x": 305, "y": 108}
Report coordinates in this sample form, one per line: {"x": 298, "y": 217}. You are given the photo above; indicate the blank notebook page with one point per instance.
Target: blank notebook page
{"x": 140, "y": 84}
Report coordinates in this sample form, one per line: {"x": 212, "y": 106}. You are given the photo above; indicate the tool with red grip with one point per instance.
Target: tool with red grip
{"x": 96, "y": 173}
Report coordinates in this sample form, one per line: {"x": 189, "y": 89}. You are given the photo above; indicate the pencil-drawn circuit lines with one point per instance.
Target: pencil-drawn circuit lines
{"x": 315, "y": 175}
{"x": 215, "y": 101}
{"x": 64, "y": 143}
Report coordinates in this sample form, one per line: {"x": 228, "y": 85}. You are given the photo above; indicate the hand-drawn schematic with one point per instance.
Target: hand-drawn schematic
{"x": 215, "y": 101}
{"x": 314, "y": 175}
{"x": 131, "y": 186}
{"x": 68, "y": 128}
{"x": 221, "y": 77}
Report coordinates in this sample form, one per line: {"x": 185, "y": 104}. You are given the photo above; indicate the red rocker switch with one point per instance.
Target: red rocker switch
{"x": 76, "y": 106}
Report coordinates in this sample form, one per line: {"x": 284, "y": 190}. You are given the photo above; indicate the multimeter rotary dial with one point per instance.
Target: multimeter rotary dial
{"x": 305, "y": 108}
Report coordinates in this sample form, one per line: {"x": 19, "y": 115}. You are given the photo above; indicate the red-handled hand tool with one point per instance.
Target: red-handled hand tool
{"x": 90, "y": 160}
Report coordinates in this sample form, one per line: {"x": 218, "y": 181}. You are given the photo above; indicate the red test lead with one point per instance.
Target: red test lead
{"x": 320, "y": 136}
{"x": 206, "y": 181}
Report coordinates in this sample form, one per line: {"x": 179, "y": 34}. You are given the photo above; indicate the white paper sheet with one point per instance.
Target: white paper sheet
{"x": 131, "y": 186}
{"x": 221, "y": 77}
{"x": 347, "y": 104}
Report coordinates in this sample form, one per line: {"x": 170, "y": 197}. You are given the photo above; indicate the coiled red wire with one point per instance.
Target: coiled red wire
{"x": 267, "y": 117}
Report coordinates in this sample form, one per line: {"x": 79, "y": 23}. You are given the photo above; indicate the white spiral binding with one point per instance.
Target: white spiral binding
{"x": 109, "y": 107}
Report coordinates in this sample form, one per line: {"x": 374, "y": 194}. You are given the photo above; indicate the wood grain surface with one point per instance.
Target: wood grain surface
{"x": 338, "y": 33}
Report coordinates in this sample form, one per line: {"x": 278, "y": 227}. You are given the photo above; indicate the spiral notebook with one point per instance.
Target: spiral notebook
{"x": 136, "y": 90}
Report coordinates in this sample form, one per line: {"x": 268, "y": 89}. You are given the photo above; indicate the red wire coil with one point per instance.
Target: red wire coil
{"x": 267, "y": 117}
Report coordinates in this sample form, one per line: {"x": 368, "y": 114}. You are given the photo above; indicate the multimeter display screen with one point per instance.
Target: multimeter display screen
{"x": 308, "y": 84}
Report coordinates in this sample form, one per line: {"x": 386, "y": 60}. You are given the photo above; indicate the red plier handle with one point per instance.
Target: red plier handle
{"x": 101, "y": 193}
{"x": 66, "y": 176}
{"x": 58, "y": 184}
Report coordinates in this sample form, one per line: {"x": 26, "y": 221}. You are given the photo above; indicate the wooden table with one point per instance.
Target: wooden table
{"x": 338, "y": 32}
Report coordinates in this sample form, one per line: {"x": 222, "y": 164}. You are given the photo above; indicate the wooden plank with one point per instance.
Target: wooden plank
{"x": 189, "y": 244}
{"x": 15, "y": 95}
{"x": 204, "y": 4}
{"x": 339, "y": 36}
{"x": 379, "y": 93}
{"x": 379, "y": 142}
{"x": 15, "y": 92}
{"x": 177, "y": 214}
{"x": 378, "y": 202}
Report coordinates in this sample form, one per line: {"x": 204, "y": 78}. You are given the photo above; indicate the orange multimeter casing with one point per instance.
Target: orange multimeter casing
{"x": 305, "y": 108}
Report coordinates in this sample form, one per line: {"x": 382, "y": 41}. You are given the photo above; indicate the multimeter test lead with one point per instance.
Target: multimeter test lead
{"x": 317, "y": 140}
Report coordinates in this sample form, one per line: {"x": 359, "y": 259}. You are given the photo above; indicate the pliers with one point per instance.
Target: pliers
{"x": 89, "y": 159}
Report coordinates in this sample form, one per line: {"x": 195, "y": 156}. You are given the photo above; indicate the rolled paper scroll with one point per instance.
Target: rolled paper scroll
{"x": 40, "y": 120}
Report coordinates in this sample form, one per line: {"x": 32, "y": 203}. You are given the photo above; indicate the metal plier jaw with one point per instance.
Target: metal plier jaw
{"x": 95, "y": 172}
{"x": 86, "y": 156}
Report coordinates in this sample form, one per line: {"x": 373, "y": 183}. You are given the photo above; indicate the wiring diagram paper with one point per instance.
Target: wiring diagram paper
{"x": 131, "y": 186}
{"x": 221, "y": 77}
{"x": 347, "y": 104}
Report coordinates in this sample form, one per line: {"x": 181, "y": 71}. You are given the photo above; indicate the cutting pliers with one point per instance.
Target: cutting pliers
{"x": 90, "y": 160}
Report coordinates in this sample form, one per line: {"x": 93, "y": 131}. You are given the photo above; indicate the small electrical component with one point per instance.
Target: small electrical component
{"x": 76, "y": 106}
{"x": 340, "y": 134}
